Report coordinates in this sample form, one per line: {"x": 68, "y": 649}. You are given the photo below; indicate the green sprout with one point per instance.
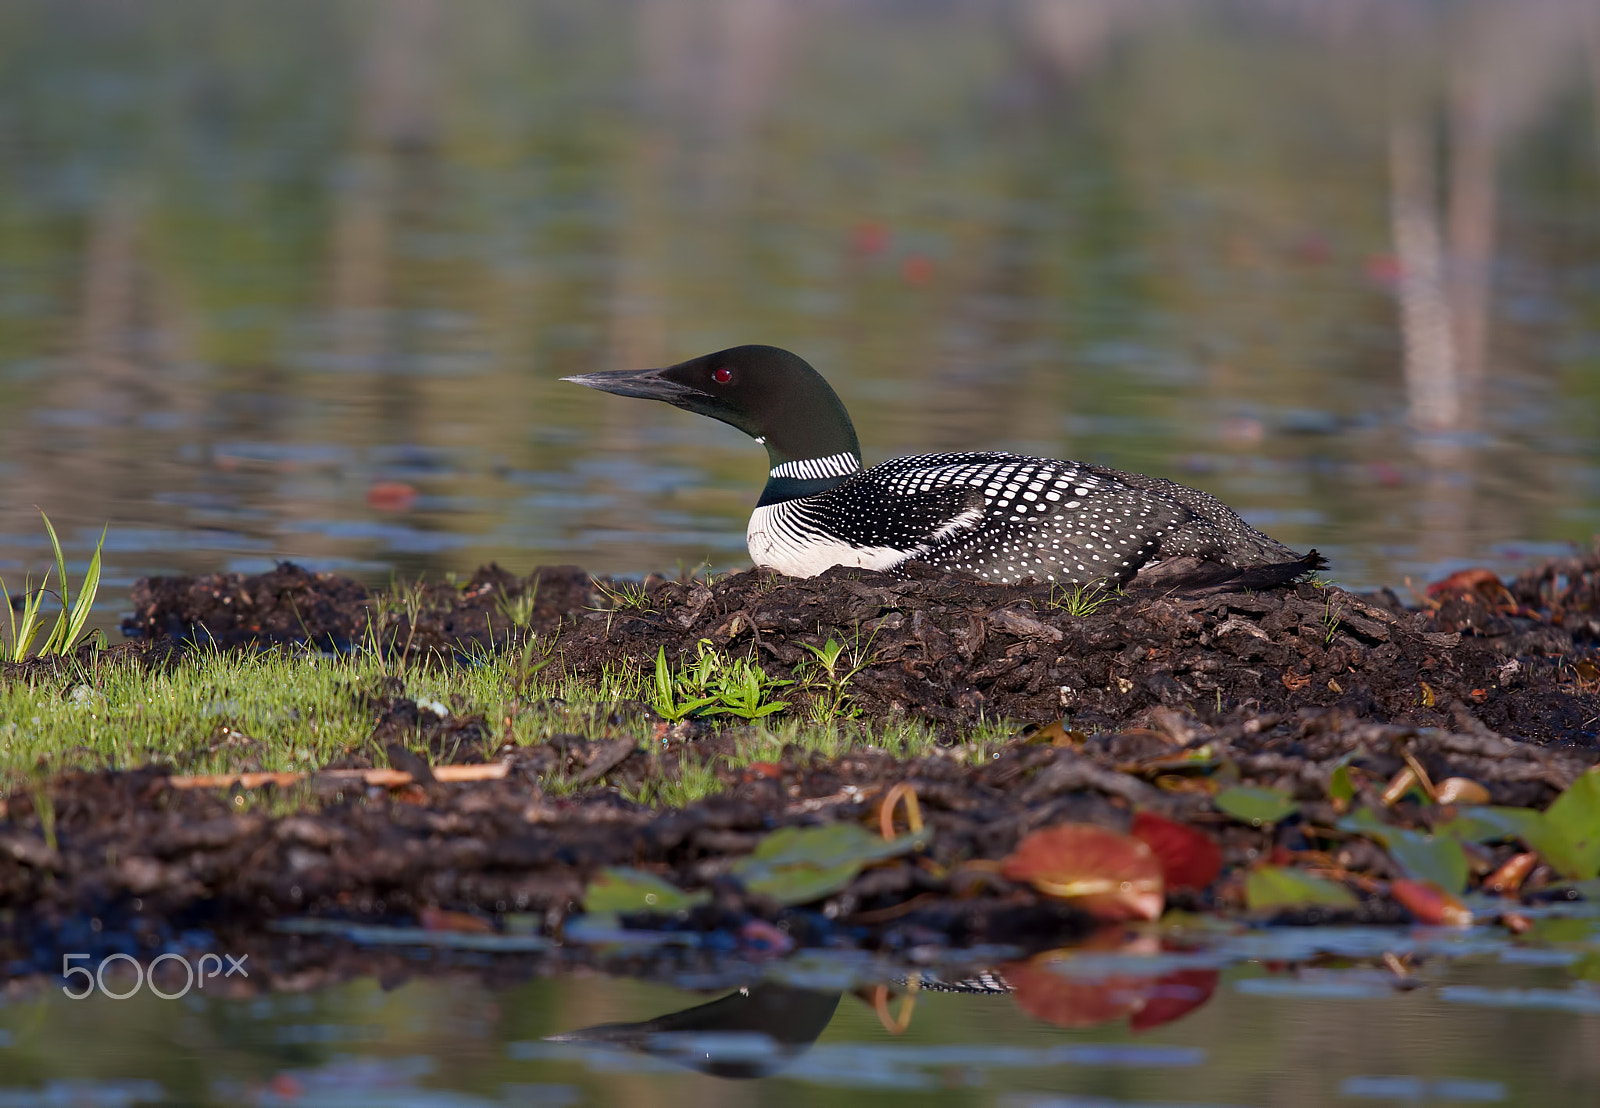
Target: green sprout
{"x": 68, "y": 630}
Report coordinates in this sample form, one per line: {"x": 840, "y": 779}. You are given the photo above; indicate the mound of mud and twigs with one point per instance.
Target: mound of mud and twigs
{"x": 1475, "y": 652}
{"x": 1324, "y": 702}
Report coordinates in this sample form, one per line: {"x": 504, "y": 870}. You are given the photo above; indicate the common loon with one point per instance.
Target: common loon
{"x": 1003, "y": 517}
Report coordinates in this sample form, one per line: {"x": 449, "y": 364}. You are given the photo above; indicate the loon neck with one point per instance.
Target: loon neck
{"x": 791, "y": 478}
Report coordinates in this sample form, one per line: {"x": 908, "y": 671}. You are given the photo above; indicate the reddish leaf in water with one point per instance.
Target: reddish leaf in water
{"x": 1190, "y": 859}
{"x": 1431, "y": 904}
{"x": 1048, "y": 996}
{"x": 1383, "y": 269}
{"x": 760, "y": 939}
{"x": 917, "y": 269}
{"x": 442, "y": 919}
{"x": 391, "y": 496}
{"x": 1173, "y": 997}
{"x": 1113, "y": 876}
{"x": 869, "y": 237}
{"x": 286, "y": 1086}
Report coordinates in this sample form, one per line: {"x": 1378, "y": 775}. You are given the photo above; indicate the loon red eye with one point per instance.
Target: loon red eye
{"x": 722, "y": 375}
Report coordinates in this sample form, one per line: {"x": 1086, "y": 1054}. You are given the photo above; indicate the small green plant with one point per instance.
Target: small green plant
{"x": 625, "y": 596}
{"x": 1330, "y": 619}
{"x": 1081, "y": 601}
{"x": 828, "y": 671}
{"x": 68, "y": 629}
{"x": 692, "y": 781}
{"x": 519, "y": 609}
{"x": 713, "y": 685}
{"x": 742, "y": 690}
{"x": 672, "y": 695}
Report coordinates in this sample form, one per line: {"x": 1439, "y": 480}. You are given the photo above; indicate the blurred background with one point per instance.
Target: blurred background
{"x": 296, "y": 279}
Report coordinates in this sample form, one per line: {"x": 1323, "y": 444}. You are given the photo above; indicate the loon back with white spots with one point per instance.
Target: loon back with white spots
{"x": 1003, "y": 517}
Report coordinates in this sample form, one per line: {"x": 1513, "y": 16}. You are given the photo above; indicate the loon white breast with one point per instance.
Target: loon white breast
{"x": 1003, "y": 517}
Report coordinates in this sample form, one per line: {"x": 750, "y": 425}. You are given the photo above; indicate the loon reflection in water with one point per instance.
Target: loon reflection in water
{"x": 751, "y": 1033}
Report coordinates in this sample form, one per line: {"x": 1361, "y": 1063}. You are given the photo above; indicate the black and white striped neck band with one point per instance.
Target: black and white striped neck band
{"x": 835, "y": 465}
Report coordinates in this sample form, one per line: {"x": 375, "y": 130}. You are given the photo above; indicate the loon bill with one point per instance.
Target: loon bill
{"x": 1003, "y": 517}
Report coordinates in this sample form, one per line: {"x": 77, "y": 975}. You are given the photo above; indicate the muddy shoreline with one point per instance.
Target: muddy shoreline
{"x": 1145, "y": 703}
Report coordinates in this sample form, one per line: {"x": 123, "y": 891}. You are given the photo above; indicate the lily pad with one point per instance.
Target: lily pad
{"x": 1190, "y": 859}
{"x": 1432, "y": 859}
{"x": 620, "y": 889}
{"x": 1567, "y": 834}
{"x": 1256, "y": 805}
{"x": 1570, "y": 839}
{"x": 1271, "y": 887}
{"x": 1113, "y": 876}
{"x": 798, "y": 865}
{"x": 1491, "y": 824}
{"x": 1342, "y": 785}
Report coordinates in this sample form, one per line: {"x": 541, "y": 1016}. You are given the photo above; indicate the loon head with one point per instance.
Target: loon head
{"x": 770, "y": 394}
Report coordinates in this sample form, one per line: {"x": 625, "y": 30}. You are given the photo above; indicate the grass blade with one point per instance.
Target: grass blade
{"x": 86, "y": 594}
{"x": 53, "y": 644}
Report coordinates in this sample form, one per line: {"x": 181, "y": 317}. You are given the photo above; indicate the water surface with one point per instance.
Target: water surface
{"x": 298, "y": 280}
{"x": 1301, "y": 1016}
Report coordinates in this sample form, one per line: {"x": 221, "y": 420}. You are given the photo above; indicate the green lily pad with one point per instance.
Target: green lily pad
{"x": 798, "y": 865}
{"x": 1558, "y": 930}
{"x": 1437, "y": 859}
{"x": 1570, "y": 839}
{"x": 1342, "y": 785}
{"x": 1586, "y": 968}
{"x": 1255, "y": 805}
{"x": 1270, "y": 887}
{"x": 1491, "y": 824}
{"x": 619, "y": 889}
{"x": 1567, "y": 834}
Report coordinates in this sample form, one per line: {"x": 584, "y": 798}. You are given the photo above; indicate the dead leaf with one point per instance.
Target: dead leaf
{"x": 1431, "y": 904}
{"x": 1056, "y": 734}
{"x": 1113, "y": 876}
{"x": 1403, "y": 782}
{"x": 901, "y": 792}
{"x": 1508, "y": 879}
{"x": 1190, "y": 859}
{"x": 1460, "y": 790}
{"x": 1484, "y": 582}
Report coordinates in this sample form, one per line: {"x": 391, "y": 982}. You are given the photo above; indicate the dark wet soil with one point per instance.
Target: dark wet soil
{"x": 955, "y": 652}
{"x": 1488, "y": 680}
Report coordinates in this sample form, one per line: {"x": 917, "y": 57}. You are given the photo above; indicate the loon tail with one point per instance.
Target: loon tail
{"x": 1193, "y": 575}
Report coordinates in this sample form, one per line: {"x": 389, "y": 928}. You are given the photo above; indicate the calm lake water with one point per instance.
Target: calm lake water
{"x": 297, "y": 280}
{"x": 1299, "y": 1017}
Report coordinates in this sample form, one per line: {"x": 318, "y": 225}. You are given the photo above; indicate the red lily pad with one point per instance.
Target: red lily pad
{"x": 1190, "y": 859}
{"x": 1174, "y": 996}
{"x": 1054, "y": 998}
{"x": 1112, "y": 876}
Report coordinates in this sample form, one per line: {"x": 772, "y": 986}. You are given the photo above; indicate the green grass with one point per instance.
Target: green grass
{"x": 292, "y": 709}
{"x": 1081, "y": 601}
